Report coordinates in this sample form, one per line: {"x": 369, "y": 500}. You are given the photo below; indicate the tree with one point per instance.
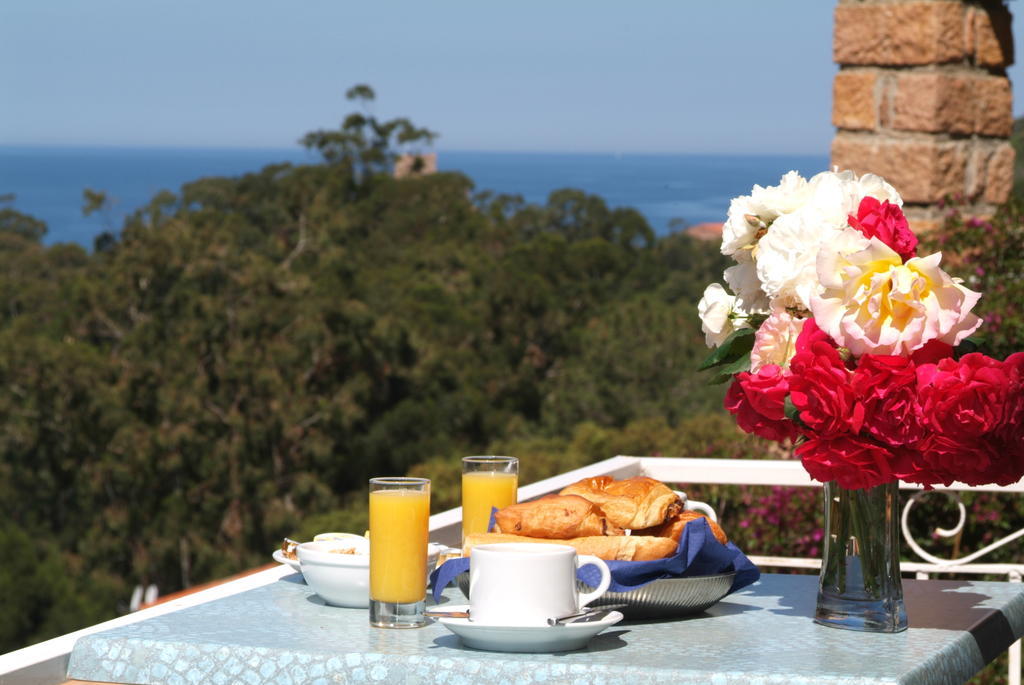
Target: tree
{"x": 245, "y": 353}
{"x": 364, "y": 145}
{"x": 14, "y": 223}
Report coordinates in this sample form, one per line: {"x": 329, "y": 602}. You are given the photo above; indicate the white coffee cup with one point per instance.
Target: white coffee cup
{"x": 522, "y": 583}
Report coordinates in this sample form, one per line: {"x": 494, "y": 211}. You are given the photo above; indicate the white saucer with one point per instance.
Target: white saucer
{"x": 496, "y": 638}
{"x": 280, "y": 558}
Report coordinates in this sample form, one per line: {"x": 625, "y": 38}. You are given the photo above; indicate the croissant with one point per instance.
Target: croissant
{"x": 607, "y": 547}
{"x": 673, "y": 527}
{"x": 555, "y": 516}
{"x": 634, "y": 503}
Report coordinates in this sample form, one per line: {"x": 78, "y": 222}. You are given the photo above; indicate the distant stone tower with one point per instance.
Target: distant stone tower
{"x": 412, "y": 164}
{"x": 922, "y": 98}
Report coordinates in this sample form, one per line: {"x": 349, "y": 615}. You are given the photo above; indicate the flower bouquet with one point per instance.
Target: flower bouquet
{"x": 838, "y": 337}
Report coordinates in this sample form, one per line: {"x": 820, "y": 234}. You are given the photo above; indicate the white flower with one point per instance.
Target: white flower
{"x": 742, "y": 279}
{"x": 837, "y": 195}
{"x": 775, "y": 340}
{"x": 791, "y": 194}
{"x": 786, "y": 257}
{"x": 715, "y": 310}
{"x": 775, "y": 235}
{"x": 876, "y": 187}
{"x": 749, "y": 214}
{"x": 744, "y": 221}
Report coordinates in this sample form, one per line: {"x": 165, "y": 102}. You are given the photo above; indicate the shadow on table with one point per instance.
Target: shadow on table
{"x": 606, "y": 641}
{"x": 793, "y": 595}
{"x": 455, "y": 601}
{"x": 296, "y": 578}
{"x": 941, "y": 605}
{"x": 720, "y": 609}
{"x": 931, "y": 604}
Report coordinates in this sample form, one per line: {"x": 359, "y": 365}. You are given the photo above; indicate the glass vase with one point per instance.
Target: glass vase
{"x": 859, "y": 586}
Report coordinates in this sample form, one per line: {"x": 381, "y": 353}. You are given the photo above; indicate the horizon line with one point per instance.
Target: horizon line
{"x": 297, "y": 148}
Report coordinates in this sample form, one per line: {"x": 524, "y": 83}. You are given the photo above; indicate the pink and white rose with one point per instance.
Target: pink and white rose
{"x": 873, "y": 303}
{"x": 775, "y": 340}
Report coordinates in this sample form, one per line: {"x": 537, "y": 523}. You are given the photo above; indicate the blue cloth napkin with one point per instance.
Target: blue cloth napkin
{"x": 698, "y": 554}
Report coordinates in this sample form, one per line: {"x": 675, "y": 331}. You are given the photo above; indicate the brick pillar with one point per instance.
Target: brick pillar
{"x": 922, "y": 98}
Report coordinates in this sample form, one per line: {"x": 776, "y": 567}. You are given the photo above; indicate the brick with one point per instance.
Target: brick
{"x": 923, "y": 171}
{"x": 940, "y": 102}
{"x": 854, "y": 103}
{"x": 933, "y": 102}
{"x": 885, "y": 96}
{"x": 999, "y": 174}
{"x": 993, "y": 99}
{"x": 977, "y": 170}
{"x": 969, "y": 22}
{"x": 909, "y": 33}
{"x": 993, "y": 38}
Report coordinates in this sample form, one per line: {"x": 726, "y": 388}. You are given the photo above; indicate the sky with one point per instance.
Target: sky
{"x": 729, "y": 76}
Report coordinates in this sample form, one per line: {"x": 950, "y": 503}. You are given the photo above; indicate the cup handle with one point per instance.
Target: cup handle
{"x": 606, "y": 578}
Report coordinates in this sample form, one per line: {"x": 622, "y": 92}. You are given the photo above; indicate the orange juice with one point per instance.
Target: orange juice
{"x": 482, "y": 490}
{"x": 398, "y": 545}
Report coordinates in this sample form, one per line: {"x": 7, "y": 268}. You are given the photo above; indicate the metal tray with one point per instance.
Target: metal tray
{"x": 663, "y": 598}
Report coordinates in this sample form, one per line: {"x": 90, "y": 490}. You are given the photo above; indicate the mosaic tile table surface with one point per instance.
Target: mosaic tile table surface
{"x": 284, "y": 634}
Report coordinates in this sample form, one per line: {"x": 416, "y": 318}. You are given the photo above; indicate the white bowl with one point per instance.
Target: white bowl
{"x": 343, "y": 579}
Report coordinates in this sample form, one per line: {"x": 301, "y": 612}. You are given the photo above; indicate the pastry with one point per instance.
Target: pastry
{"x": 607, "y": 547}
{"x": 673, "y": 527}
{"x": 555, "y": 516}
{"x": 633, "y": 503}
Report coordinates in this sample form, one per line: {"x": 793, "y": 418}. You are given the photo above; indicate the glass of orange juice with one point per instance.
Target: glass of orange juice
{"x": 486, "y": 482}
{"x": 399, "y": 519}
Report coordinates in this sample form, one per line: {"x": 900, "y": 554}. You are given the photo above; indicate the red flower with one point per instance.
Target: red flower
{"x": 965, "y": 398}
{"x": 886, "y": 222}
{"x": 809, "y": 334}
{"x": 852, "y": 461}
{"x": 967, "y": 459}
{"x": 910, "y": 465}
{"x": 887, "y": 386}
{"x": 1010, "y": 458}
{"x": 820, "y": 388}
{"x": 758, "y": 403}
{"x": 932, "y": 353}
{"x": 1012, "y": 429}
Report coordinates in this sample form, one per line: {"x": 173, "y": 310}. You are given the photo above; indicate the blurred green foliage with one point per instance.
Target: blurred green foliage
{"x": 988, "y": 253}
{"x": 236, "y": 364}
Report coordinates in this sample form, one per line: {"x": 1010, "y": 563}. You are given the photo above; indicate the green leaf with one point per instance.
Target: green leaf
{"x": 738, "y": 365}
{"x": 792, "y": 413}
{"x": 735, "y": 346}
{"x": 720, "y": 378}
{"x": 755, "y": 320}
{"x": 968, "y": 345}
{"x": 790, "y": 410}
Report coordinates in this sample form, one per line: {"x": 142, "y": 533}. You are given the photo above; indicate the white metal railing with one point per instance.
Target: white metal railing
{"x": 445, "y": 527}
{"x": 46, "y": 662}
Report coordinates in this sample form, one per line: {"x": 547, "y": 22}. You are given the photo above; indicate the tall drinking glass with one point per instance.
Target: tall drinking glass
{"x": 399, "y": 515}
{"x": 486, "y": 482}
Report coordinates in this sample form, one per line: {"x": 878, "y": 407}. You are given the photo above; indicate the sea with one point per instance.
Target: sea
{"x": 671, "y": 190}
